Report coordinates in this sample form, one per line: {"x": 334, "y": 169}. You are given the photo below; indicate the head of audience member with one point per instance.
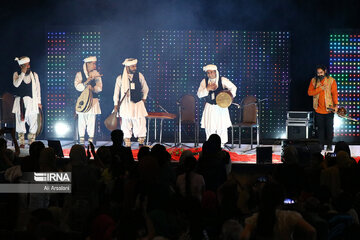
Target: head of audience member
{"x": 104, "y": 154}
{"x": 32, "y": 163}
{"x": 317, "y": 161}
{"x": 343, "y": 160}
{"x": 160, "y": 153}
{"x": 231, "y": 230}
{"x": 143, "y": 152}
{"x": 3, "y": 145}
{"x": 47, "y": 160}
{"x": 290, "y": 155}
{"x": 215, "y": 142}
{"x": 184, "y": 155}
{"x": 35, "y": 149}
{"x": 190, "y": 164}
{"x": 77, "y": 155}
{"x": 342, "y": 146}
{"x": 117, "y": 137}
{"x": 207, "y": 149}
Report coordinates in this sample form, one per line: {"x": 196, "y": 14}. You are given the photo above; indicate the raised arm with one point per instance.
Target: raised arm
{"x": 98, "y": 86}
{"x": 17, "y": 79}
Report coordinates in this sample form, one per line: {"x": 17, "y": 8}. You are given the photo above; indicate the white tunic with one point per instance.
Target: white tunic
{"x": 31, "y": 103}
{"x": 129, "y": 109}
{"x": 215, "y": 117}
{"x": 95, "y": 108}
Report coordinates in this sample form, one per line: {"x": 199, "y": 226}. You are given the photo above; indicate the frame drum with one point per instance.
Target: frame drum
{"x": 224, "y": 99}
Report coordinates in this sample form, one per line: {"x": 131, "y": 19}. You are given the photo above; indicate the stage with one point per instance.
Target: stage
{"x": 243, "y": 155}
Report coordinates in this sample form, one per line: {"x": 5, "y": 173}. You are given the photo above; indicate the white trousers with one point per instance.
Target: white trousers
{"x": 223, "y": 133}
{"x": 86, "y": 121}
{"x": 31, "y": 120}
{"x": 136, "y": 126}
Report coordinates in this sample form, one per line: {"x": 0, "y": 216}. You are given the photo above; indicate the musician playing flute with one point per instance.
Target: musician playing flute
{"x": 133, "y": 86}
{"x": 88, "y": 77}
{"x": 215, "y": 119}
{"x": 28, "y": 101}
{"x": 323, "y": 89}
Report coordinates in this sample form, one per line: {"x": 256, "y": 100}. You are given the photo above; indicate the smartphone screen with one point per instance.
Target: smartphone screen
{"x": 262, "y": 179}
{"x": 289, "y": 201}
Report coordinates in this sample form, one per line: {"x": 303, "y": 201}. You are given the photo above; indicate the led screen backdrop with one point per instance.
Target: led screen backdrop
{"x": 345, "y": 68}
{"x": 65, "y": 53}
{"x": 256, "y": 62}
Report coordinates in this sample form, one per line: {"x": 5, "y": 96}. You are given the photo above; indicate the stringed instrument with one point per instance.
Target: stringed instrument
{"x": 342, "y": 113}
{"x": 84, "y": 101}
{"x": 40, "y": 122}
{"x": 111, "y": 121}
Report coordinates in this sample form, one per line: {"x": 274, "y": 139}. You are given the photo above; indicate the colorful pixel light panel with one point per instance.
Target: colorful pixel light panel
{"x": 256, "y": 62}
{"x": 65, "y": 53}
{"x": 344, "y": 66}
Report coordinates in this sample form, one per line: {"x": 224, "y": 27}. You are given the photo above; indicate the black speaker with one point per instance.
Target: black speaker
{"x": 56, "y": 145}
{"x": 299, "y": 132}
{"x": 263, "y": 155}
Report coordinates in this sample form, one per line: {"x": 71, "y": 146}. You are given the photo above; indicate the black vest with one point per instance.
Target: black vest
{"x": 92, "y": 83}
{"x": 216, "y": 92}
{"x": 24, "y": 89}
{"x": 135, "y": 94}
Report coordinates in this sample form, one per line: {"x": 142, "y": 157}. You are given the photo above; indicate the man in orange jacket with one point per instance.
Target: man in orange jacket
{"x": 323, "y": 89}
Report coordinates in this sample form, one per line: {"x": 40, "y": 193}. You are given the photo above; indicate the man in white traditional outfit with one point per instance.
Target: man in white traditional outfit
{"x": 91, "y": 78}
{"x": 28, "y": 101}
{"x": 215, "y": 119}
{"x": 132, "y": 109}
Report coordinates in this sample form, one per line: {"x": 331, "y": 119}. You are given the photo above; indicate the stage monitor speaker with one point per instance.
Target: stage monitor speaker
{"x": 304, "y": 147}
{"x": 56, "y": 145}
{"x": 299, "y": 132}
{"x": 263, "y": 155}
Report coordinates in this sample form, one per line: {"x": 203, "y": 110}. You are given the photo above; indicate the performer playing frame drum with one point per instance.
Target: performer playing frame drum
{"x": 215, "y": 119}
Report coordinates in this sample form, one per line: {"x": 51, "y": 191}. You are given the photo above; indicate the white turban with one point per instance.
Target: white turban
{"x": 90, "y": 59}
{"x": 211, "y": 67}
{"x": 129, "y": 62}
{"x": 125, "y": 78}
{"x": 22, "y": 61}
{"x": 86, "y": 60}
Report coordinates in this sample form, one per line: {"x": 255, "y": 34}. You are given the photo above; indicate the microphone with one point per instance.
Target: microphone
{"x": 158, "y": 105}
{"x": 236, "y": 104}
{"x": 162, "y": 108}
